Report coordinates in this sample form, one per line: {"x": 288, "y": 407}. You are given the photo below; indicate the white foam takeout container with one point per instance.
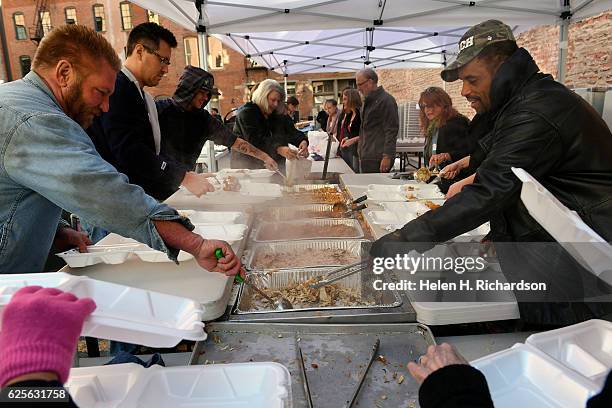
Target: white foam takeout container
{"x": 247, "y": 385}
{"x": 523, "y": 376}
{"x": 114, "y": 254}
{"x": 585, "y": 348}
{"x": 382, "y": 192}
{"x": 123, "y": 313}
{"x": 231, "y": 233}
{"x": 566, "y": 226}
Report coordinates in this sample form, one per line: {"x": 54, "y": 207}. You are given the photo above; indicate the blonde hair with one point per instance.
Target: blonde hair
{"x": 76, "y": 44}
{"x": 265, "y": 88}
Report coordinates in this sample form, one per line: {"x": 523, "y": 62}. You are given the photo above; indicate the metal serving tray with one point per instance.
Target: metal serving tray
{"x": 334, "y": 355}
{"x": 307, "y": 211}
{"x": 298, "y": 188}
{"x": 352, "y": 246}
{"x": 282, "y": 278}
{"x": 320, "y": 222}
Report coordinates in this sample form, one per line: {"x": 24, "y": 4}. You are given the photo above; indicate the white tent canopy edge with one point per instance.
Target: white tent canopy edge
{"x": 363, "y": 29}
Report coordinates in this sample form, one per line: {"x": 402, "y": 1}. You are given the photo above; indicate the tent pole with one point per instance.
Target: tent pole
{"x": 564, "y": 24}
{"x": 209, "y": 146}
{"x": 285, "y": 85}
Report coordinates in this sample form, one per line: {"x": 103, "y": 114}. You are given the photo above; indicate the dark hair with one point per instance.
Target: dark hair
{"x": 149, "y": 35}
{"x": 214, "y": 110}
{"x": 495, "y": 54}
{"x": 436, "y": 96}
{"x": 79, "y": 45}
{"x": 332, "y": 101}
{"x": 293, "y": 101}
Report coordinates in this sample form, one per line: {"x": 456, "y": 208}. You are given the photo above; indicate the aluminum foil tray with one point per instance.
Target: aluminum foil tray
{"x": 310, "y": 187}
{"x": 306, "y": 211}
{"x": 353, "y": 247}
{"x": 372, "y": 299}
{"x": 322, "y": 222}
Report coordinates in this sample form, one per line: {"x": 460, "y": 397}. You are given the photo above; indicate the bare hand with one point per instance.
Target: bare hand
{"x": 439, "y": 158}
{"x": 349, "y": 141}
{"x": 450, "y": 171}
{"x": 385, "y": 164}
{"x": 270, "y": 163}
{"x": 287, "y": 153}
{"x": 229, "y": 264}
{"x": 197, "y": 184}
{"x": 456, "y": 188}
{"x": 303, "y": 149}
{"x": 67, "y": 238}
{"x": 436, "y": 358}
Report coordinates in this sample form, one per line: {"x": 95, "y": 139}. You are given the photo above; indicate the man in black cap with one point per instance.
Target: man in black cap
{"x": 185, "y": 125}
{"x": 536, "y": 124}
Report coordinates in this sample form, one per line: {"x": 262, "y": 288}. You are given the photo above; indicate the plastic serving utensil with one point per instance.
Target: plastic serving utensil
{"x": 281, "y": 304}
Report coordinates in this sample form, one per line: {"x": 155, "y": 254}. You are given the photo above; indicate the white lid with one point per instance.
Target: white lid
{"x": 522, "y": 376}
{"x": 253, "y": 385}
{"x": 584, "y": 347}
{"x": 189, "y": 280}
{"x": 566, "y": 227}
{"x": 123, "y": 313}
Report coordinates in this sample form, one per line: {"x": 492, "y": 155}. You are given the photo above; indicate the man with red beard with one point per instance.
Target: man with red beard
{"x": 48, "y": 163}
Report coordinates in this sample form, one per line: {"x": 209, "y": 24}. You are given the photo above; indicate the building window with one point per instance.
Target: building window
{"x": 70, "y": 13}
{"x": 290, "y": 89}
{"x": 192, "y": 56}
{"x": 153, "y": 17}
{"x": 25, "y": 62}
{"x": 99, "y": 18}
{"x": 330, "y": 89}
{"x": 45, "y": 21}
{"x": 126, "y": 15}
{"x": 219, "y": 60}
{"x": 20, "y": 29}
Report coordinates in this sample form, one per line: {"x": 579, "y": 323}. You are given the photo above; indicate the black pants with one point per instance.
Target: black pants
{"x": 369, "y": 165}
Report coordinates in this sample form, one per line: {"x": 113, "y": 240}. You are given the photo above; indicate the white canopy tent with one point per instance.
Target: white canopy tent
{"x": 294, "y": 36}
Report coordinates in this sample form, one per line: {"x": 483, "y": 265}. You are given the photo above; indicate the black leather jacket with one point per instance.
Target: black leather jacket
{"x": 544, "y": 128}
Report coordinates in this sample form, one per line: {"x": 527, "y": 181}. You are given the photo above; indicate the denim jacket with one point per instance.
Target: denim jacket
{"x": 47, "y": 162}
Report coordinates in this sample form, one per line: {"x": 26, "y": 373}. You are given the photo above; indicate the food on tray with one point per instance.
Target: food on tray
{"x": 300, "y": 258}
{"x": 423, "y": 174}
{"x": 276, "y": 232}
{"x": 301, "y": 295}
{"x": 231, "y": 183}
{"x": 327, "y": 195}
{"x": 289, "y": 213}
{"x": 431, "y": 205}
{"x": 411, "y": 196}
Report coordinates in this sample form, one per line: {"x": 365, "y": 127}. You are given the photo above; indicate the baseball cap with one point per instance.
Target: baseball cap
{"x": 476, "y": 39}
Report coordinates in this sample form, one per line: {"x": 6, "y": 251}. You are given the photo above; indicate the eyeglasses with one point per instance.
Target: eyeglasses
{"x": 163, "y": 60}
{"x": 362, "y": 83}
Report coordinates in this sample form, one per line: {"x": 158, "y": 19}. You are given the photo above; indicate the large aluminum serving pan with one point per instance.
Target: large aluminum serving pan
{"x": 334, "y": 355}
{"x": 371, "y": 299}
{"x": 325, "y": 225}
{"x": 292, "y": 249}
{"x": 299, "y": 188}
{"x": 290, "y": 213}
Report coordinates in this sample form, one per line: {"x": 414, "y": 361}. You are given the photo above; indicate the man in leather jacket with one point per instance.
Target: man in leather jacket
{"x": 536, "y": 124}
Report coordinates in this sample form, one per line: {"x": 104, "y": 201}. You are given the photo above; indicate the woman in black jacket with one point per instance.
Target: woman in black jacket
{"x": 348, "y": 127}
{"x": 445, "y": 129}
{"x": 254, "y": 121}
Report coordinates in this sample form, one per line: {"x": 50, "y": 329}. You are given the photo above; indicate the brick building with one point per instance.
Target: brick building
{"x": 589, "y": 61}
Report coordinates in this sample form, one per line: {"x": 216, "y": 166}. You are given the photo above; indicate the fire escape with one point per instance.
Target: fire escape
{"x": 37, "y": 31}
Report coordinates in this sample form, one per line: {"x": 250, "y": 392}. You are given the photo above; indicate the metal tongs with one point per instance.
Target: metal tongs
{"x": 341, "y": 273}
{"x": 351, "y": 206}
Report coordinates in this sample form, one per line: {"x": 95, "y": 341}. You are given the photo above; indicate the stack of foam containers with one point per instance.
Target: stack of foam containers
{"x": 247, "y": 385}
{"x": 155, "y": 320}
{"x": 558, "y": 368}
{"x": 123, "y": 313}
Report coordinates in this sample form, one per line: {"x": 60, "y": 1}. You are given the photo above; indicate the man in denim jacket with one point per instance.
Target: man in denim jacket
{"x": 48, "y": 163}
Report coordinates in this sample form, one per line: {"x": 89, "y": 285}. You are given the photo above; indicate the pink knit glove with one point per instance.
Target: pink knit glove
{"x": 40, "y": 330}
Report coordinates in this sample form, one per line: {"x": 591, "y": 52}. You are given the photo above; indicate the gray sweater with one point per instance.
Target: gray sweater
{"x": 379, "y": 126}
